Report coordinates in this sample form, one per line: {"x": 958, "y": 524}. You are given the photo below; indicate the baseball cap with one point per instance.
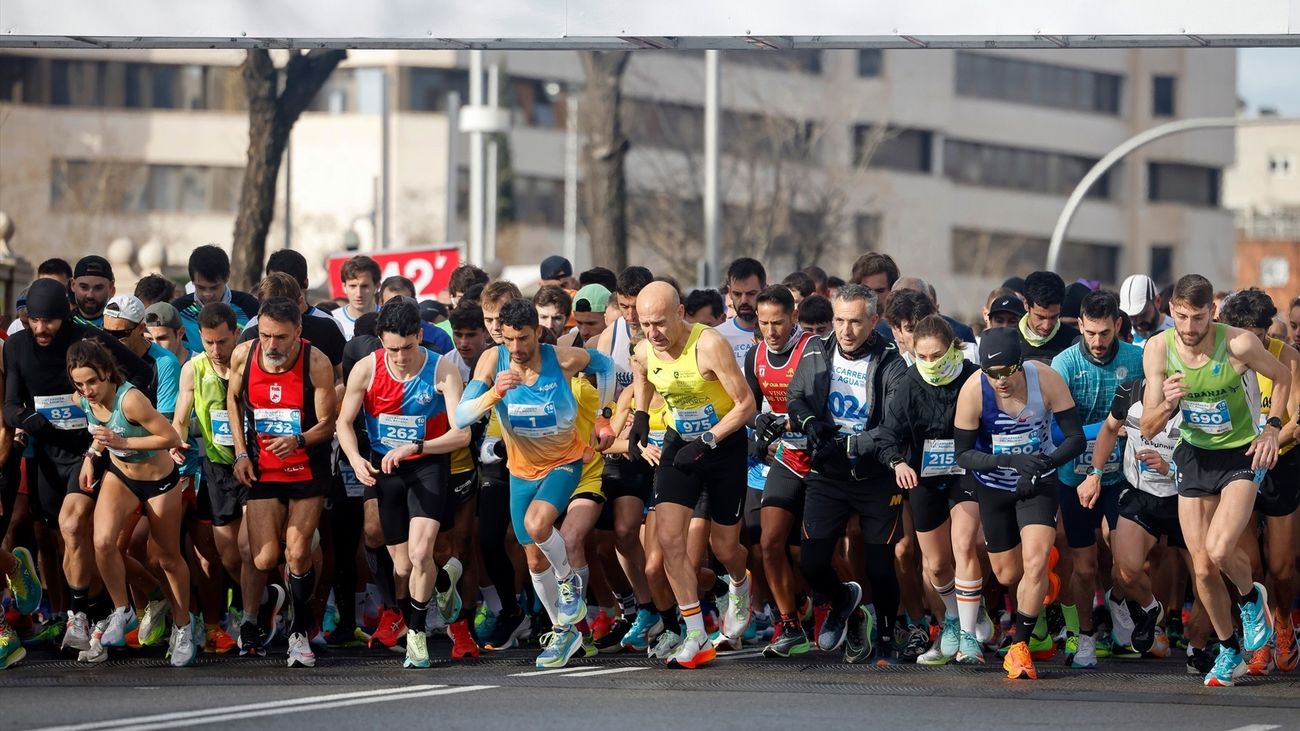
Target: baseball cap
{"x": 1015, "y": 284}
{"x": 1074, "y": 295}
{"x": 556, "y": 267}
{"x": 1010, "y": 304}
{"x": 21, "y": 302}
{"x": 1135, "y": 293}
{"x": 1000, "y": 347}
{"x": 126, "y": 306}
{"x": 431, "y": 310}
{"x": 162, "y": 314}
{"x": 591, "y": 298}
{"x": 93, "y": 266}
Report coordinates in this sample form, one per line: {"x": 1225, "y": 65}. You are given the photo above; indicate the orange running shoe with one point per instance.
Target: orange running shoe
{"x": 218, "y": 641}
{"x": 391, "y": 628}
{"x": 1018, "y": 663}
{"x": 1286, "y": 654}
{"x": 462, "y": 642}
{"x": 1053, "y": 581}
{"x": 1260, "y": 662}
{"x": 696, "y": 650}
{"x": 600, "y": 626}
{"x": 133, "y": 638}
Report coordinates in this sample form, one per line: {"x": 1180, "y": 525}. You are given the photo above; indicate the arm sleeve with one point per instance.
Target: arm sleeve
{"x": 1074, "y": 443}
{"x": 474, "y": 403}
{"x": 893, "y": 429}
{"x": 139, "y": 373}
{"x": 1123, "y": 400}
{"x": 16, "y": 396}
{"x": 602, "y": 367}
{"x": 968, "y": 456}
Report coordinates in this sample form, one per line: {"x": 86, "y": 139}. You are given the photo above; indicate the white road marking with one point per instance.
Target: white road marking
{"x": 1256, "y": 727}
{"x": 554, "y": 671}
{"x": 738, "y": 655}
{"x": 611, "y": 671}
{"x": 254, "y": 710}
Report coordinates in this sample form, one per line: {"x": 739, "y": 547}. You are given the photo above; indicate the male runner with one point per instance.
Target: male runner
{"x": 1041, "y": 332}
{"x": 209, "y": 269}
{"x": 1139, "y": 300}
{"x": 92, "y": 286}
{"x": 745, "y": 279}
{"x": 360, "y": 276}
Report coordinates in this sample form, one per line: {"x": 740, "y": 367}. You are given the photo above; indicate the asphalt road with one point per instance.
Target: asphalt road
{"x": 364, "y": 689}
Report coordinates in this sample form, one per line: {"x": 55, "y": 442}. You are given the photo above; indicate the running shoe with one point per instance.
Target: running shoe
{"x": 916, "y": 640}
{"x": 25, "y": 583}
{"x": 1228, "y": 666}
{"x": 970, "y": 651}
{"x": 695, "y": 650}
{"x": 945, "y": 648}
{"x": 1019, "y": 663}
{"x": 1260, "y": 662}
{"x": 391, "y": 629}
{"x": 1102, "y": 644}
{"x": 462, "y": 642}
{"x": 857, "y": 636}
{"x": 612, "y": 642}
{"x": 181, "y": 648}
{"x": 789, "y": 640}
{"x": 11, "y": 649}
{"x": 601, "y": 625}
{"x": 736, "y": 615}
{"x": 252, "y": 640}
{"x": 47, "y": 633}
{"x": 1256, "y": 622}
{"x": 1199, "y": 662}
{"x": 835, "y": 626}
{"x": 986, "y": 630}
{"x": 77, "y": 633}
{"x": 1085, "y": 653}
{"x": 120, "y": 621}
{"x": 485, "y": 622}
{"x": 665, "y": 646}
{"x": 573, "y": 606}
{"x": 268, "y": 615}
{"x": 449, "y": 604}
{"x": 723, "y": 642}
{"x": 154, "y": 622}
{"x": 558, "y": 646}
{"x": 218, "y": 640}
{"x": 1122, "y": 618}
{"x": 1043, "y": 648}
{"x": 644, "y": 630}
{"x": 97, "y": 652}
{"x": 1286, "y": 653}
{"x": 510, "y": 627}
{"x": 1160, "y": 648}
{"x": 417, "y": 649}
{"x": 300, "y": 654}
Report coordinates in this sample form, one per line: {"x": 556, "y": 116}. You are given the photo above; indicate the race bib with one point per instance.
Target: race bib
{"x": 849, "y": 415}
{"x": 939, "y": 457}
{"x": 398, "y": 429}
{"x": 1206, "y": 417}
{"x": 1084, "y": 462}
{"x": 692, "y": 423}
{"x": 277, "y": 422}
{"x": 656, "y": 437}
{"x": 794, "y": 440}
{"x": 221, "y": 435}
{"x": 351, "y": 484}
{"x": 62, "y": 411}
{"x": 533, "y": 420}
{"x": 1014, "y": 443}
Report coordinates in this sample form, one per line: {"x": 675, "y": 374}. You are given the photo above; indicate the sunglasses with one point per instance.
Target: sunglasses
{"x": 122, "y": 334}
{"x": 999, "y": 373}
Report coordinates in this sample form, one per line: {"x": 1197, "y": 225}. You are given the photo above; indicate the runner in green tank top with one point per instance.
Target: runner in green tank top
{"x": 1197, "y": 370}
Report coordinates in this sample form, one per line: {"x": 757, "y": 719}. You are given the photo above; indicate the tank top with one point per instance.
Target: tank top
{"x": 696, "y": 404}
{"x": 621, "y": 354}
{"x": 1216, "y": 412}
{"x": 1002, "y": 433}
{"x": 278, "y": 405}
{"x": 539, "y": 420}
{"x": 210, "y": 411}
{"x": 740, "y": 339}
{"x": 120, "y": 425}
{"x": 1266, "y": 394}
{"x": 588, "y": 399}
{"x": 1136, "y": 471}
{"x": 774, "y": 383}
{"x": 398, "y": 411}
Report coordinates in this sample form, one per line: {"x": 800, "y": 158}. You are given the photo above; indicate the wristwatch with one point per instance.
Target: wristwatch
{"x": 418, "y": 443}
{"x": 710, "y": 439}
{"x": 606, "y": 413}
{"x": 1274, "y": 422}
{"x": 1094, "y": 471}
{"x": 302, "y": 441}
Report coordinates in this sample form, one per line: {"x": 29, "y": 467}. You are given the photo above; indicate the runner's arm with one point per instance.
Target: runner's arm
{"x": 450, "y": 385}
{"x": 234, "y": 404}
{"x": 479, "y": 396}
{"x": 184, "y": 401}
{"x": 1291, "y": 359}
{"x": 714, "y": 355}
{"x": 1057, "y": 397}
{"x": 1156, "y": 410}
{"x": 1249, "y": 350}
{"x": 136, "y": 408}
{"x": 322, "y": 378}
{"x": 593, "y": 363}
{"x": 966, "y": 424}
{"x": 353, "y": 395}
{"x": 19, "y": 414}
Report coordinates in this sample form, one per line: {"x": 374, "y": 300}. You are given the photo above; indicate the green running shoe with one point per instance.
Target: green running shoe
{"x": 417, "y": 650}
{"x": 25, "y": 583}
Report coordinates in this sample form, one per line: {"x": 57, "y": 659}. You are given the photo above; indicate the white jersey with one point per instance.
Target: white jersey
{"x": 741, "y": 339}
{"x": 347, "y": 323}
{"x": 459, "y": 362}
{"x": 620, "y": 352}
{"x": 1136, "y": 471}
{"x": 848, "y": 402}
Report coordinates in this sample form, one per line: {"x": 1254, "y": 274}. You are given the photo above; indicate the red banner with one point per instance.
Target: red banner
{"x": 430, "y": 269}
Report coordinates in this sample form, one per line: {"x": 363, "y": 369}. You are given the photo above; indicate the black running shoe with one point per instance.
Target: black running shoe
{"x": 613, "y": 640}
{"x": 1199, "y": 662}
{"x": 1144, "y": 626}
{"x": 510, "y": 629}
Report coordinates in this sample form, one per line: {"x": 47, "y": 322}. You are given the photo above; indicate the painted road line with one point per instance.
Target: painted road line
{"x": 1256, "y": 727}
{"x": 554, "y": 671}
{"x": 610, "y": 671}
{"x": 739, "y": 655}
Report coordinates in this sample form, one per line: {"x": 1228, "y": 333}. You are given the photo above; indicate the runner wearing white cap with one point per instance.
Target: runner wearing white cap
{"x": 1140, "y": 300}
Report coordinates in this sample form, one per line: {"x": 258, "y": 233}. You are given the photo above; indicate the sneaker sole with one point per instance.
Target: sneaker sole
{"x": 702, "y": 658}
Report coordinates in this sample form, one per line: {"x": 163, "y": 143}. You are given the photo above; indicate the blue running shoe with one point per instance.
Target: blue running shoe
{"x": 558, "y": 646}
{"x": 573, "y": 607}
{"x": 25, "y": 583}
{"x": 1229, "y": 666}
{"x": 1256, "y": 621}
{"x": 645, "y": 629}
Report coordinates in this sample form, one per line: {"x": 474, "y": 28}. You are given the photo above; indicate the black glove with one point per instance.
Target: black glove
{"x": 830, "y": 456}
{"x": 35, "y": 423}
{"x": 691, "y": 455}
{"x": 1028, "y": 465}
{"x": 820, "y": 433}
{"x": 860, "y": 445}
{"x": 1026, "y": 487}
{"x": 769, "y": 426}
{"x": 639, "y": 435}
{"x": 758, "y": 447}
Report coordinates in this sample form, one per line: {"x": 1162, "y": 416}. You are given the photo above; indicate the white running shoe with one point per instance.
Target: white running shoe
{"x": 115, "y": 627}
{"x": 449, "y": 601}
{"x": 182, "y": 647}
{"x": 96, "y": 653}
{"x": 300, "y": 654}
{"x": 77, "y": 633}
{"x": 1121, "y": 621}
{"x": 154, "y": 622}
{"x": 1086, "y": 656}
{"x": 736, "y": 616}
{"x": 666, "y": 645}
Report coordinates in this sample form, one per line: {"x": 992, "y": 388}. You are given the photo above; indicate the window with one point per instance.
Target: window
{"x": 85, "y": 186}
{"x": 75, "y": 83}
{"x": 976, "y": 163}
{"x": 538, "y": 103}
{"x": 1281, "y": 163}
{"x": 539, "y": 201}
{"x": 866, "y": 231}
{"x": 805, "y": 61}
{"x": 1033, "y": 82}
{"x": 1162, "y": 263}
{"x": 766, "y": 135}
{"x": 119, "y": 85}
{"x": 893, "y": 149}
{"x": 426, "y": 88}
{"x": 663, "y": 124}
{"x": 999, "y": 254}
{"x": 1162, "y": 96}
{"x": 871, "y": 62}
{"x": 1180, "y": 183}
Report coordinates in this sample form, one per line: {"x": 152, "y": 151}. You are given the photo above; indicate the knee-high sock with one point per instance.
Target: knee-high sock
{"x": 381, "y": 572}
{"x": 301, "y": 589}
{"x": 548, "y": 592}
{"x": 969, "y": 592}
{"x": 557, "y": 554}
{"x": 948, "y": 594}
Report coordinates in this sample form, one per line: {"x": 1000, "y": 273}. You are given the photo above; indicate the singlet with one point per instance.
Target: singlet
{"x": 1266, "y": 393}
{"x": 1001, "y": 433}
{"x": 1216, "y": 412}
{"x": 741, "y": 340}
{"x": 278, "y": 405}
{"x": 211, "y": 413}
{"x": 621, "y": 353}
{"x": 399, "y": 412}
{"x": 588, "y": 399}
{"x": 849, "y": 401}
{"x": 1127, "y": 407}
{"x": 539, "y": 420}
{"x": 120, "y": 425}
{"x": 696, "y": 403}
{"x": 774, "y": 383}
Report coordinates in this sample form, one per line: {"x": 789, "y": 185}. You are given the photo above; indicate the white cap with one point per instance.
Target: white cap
{"x": 127, "y": 307}
{"x": 1135, "y": 293}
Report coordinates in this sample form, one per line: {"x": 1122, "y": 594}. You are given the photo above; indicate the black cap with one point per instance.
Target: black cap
{"x": 1015, "y": 284}
{"x": 48, "y": 299}
{"x": 431, "y": 310}
{"x": 1074, "y": 295}
{"x": 1010, "y": 304}
{"x": 1000, "y": 346}
{"x": 93, "y": 266}
{"x": 556, "y": 267}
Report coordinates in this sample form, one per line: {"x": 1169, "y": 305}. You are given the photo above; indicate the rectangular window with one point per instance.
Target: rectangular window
{"x": 1171, "y": 182}
{"x": 866, "y": 231}
{"x": 999, "y": 254}
{"x": 427, "y": 88}
{"x": 1162, "y": 264}
{"x": 537, "y": 103}
{"x": 977, "y": 163}
{"x": 1034, "y": 82}
{"x": 893, "y": 149}
{"x": 766, "y": 135}
{"x": 111, "y": 186}
{"x": 871, "y": 62}
{"x": 806, "y": 61}
{"x": 1162, "y": 96}
{"x": 663, "y": 124}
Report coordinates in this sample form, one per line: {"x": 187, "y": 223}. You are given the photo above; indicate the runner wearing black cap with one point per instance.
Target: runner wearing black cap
{"x": 92, "y": 287}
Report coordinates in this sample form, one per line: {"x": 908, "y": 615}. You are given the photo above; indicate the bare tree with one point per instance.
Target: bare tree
{"x": 604, "y": 185}
{"x": 273, "y": 109}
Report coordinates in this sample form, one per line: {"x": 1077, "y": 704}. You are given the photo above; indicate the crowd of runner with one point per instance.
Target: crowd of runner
{"x": 615, "y": 465}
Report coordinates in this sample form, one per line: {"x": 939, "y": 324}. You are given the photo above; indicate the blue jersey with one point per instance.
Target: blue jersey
{"x": 1093, "y": 387}
{"x": 538, "y": 420}
{"x": 1002, "y": 433}
{"x": 401, "y": 412}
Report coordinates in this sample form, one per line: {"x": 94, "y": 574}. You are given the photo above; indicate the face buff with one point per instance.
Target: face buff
{"x": 1034, "y": 338}
{"x": 944, "y": 370}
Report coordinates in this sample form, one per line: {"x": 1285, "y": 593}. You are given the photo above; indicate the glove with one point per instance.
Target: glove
{"x": 758, "y": 447}
{"x": 639, "y": 435}
{"x": 860, "y": 445}
{"x": 492, "y": 450}
{"x": 35, "y": 423}
{"x": 1026, "y": 487}
{"x": 689, "y": 457}
{"x": 769, "y": 426}
{"x": 1028, "y": 465}
{"x": 819, "y": 433}
{"x": 830, "y": 456}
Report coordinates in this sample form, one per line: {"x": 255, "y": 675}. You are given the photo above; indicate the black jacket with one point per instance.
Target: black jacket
{"x": 810, "y": 390}
{"x": 919, "y": 412}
